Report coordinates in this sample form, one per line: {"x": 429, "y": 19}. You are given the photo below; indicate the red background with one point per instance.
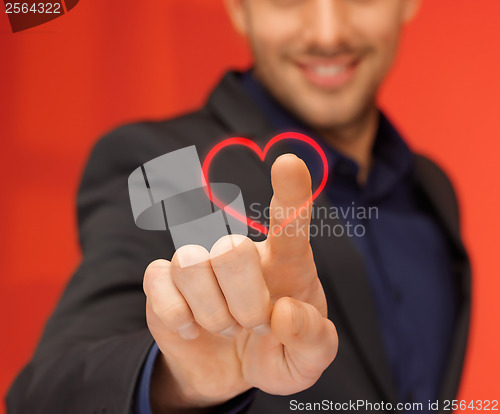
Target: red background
{"x": 65, "y": 83}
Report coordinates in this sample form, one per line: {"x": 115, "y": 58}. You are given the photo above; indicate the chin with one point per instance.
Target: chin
{"x": 327, "y": 119}
{"x": 324, "y": 111}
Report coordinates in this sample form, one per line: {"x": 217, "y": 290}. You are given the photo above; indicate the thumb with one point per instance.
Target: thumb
{"x": 310, "y": 340}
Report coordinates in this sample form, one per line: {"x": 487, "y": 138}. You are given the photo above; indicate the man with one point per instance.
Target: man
{"x": 248, "y": 325}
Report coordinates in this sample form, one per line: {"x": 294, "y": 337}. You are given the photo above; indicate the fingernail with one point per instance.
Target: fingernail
{"x": 189, "y": 331}
{"x": 231, "y": 332}
{"x": 296, "y": 319}
{"x": 263, "y": 329}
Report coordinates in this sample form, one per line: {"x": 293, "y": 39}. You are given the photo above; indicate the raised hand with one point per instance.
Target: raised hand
{"x": 244, "y": 314}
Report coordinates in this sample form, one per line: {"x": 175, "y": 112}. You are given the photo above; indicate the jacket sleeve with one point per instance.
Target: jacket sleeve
{"x": 96, "y": 341}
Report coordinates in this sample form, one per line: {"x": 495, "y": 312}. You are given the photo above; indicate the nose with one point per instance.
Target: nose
{"x": 326, "y": 24}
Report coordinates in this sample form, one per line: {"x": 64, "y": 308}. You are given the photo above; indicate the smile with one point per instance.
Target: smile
{"x": 329, "y": 75}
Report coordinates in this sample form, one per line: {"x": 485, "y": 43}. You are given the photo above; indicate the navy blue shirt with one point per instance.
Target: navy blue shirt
{"x": 407, "y": 256}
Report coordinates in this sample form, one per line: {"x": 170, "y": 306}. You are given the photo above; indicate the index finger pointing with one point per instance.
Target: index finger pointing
{"x": 291, "y": 205}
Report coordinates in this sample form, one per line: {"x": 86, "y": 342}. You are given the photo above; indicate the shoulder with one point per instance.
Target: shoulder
{"x": 151, "y": 136}
{"x": 134, "y": 144}
{"x": 428, "y": 169}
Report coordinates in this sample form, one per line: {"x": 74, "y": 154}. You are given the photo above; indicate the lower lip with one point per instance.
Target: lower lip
{"x": 331, "y": 81}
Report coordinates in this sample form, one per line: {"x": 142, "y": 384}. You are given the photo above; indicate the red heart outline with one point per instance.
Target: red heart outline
{"x": 262, "y": 155}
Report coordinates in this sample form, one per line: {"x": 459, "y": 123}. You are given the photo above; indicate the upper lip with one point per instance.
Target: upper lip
{"x": 341, "y": 60}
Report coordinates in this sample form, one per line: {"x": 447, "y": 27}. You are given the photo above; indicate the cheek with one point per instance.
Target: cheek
{"x": 274, "y": 32}
{"x": 379, "y": 24}
{"x": 387, "y": 47}
{"x": 381, "y": 36}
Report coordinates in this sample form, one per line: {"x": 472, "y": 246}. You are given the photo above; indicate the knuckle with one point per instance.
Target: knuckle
{"x": 154, "y": 276}
{"x": 250, "y": 318}
{"x": 190, "y": 255}
{"x": 215, "y": 322}
{"x": 232, "y": 249}
{"x": 172, "y": 314}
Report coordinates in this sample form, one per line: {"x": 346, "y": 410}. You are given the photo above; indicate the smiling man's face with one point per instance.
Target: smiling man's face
{"x": 323, "y": 59}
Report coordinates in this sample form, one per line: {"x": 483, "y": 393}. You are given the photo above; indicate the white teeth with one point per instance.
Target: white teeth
{"x": 330, "y": 70}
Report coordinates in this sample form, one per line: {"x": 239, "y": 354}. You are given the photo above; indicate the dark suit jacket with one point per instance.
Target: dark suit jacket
{"x": 93, "y": 346}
